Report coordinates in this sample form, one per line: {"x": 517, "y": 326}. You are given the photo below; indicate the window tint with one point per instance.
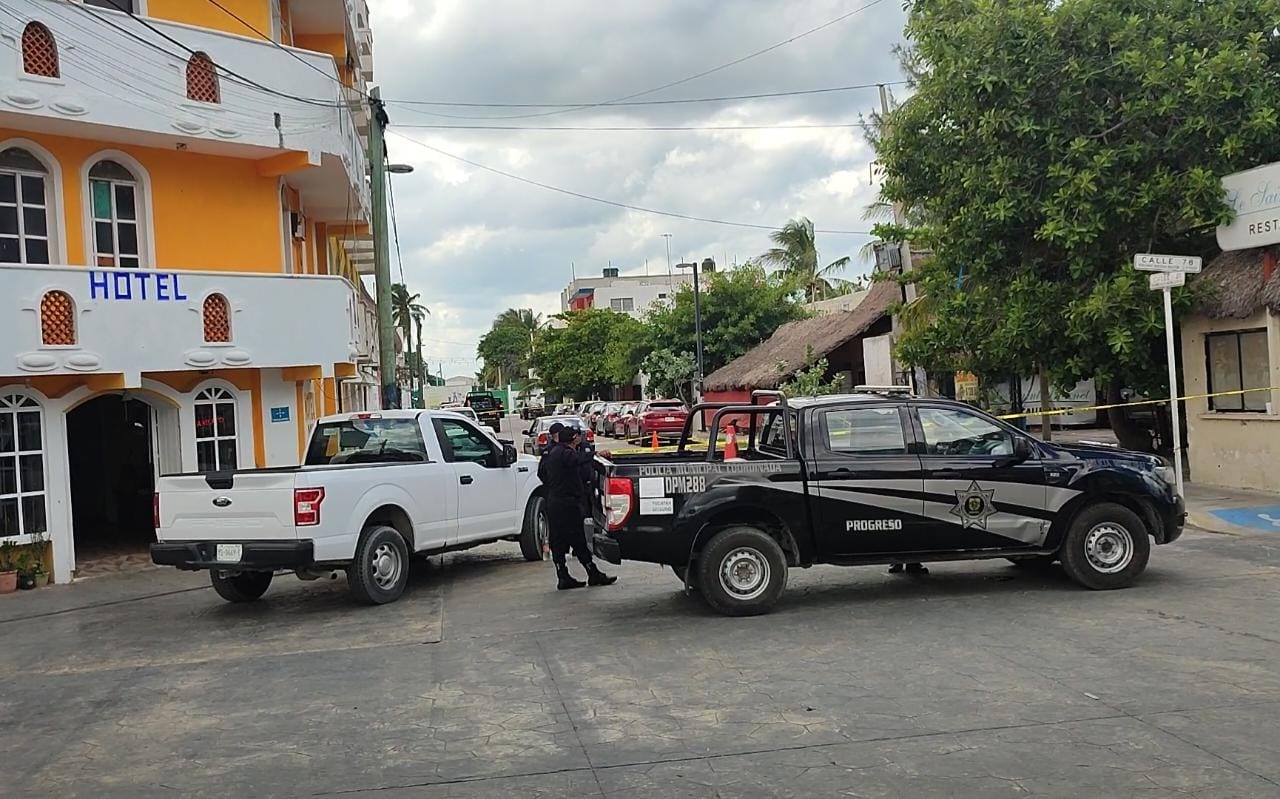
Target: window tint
{"x": 463, "y": 443}
{"x": 865, "y": 431}
{"x": 366, "y": 441}
{"x": 948, "y": 431}
{"x": 773, "y": 434}
{"x": 1238, "y": 361}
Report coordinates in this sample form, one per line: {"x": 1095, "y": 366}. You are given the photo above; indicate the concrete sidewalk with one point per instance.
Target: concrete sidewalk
{"x": 1233, "y": 511}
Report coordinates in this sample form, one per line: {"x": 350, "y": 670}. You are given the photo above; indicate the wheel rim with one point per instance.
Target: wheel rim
{"x": 387, "y": 566}
{"x": 542, "y": 532}
{"x": 1109, "y": 548}
{"x": 744, "y": 573}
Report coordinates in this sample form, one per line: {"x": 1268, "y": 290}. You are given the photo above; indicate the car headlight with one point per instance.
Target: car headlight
{"x": 1167, "y": 475}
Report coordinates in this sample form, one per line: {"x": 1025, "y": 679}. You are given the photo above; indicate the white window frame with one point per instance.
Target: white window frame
{"x": 12, "y": 404}
{"x": 212, "y": 397}
{"x": 142, "y": 209}
{"x": 20, "y": 206}
{"x": 622, "y": 304}
{"x": 113, "y": 184}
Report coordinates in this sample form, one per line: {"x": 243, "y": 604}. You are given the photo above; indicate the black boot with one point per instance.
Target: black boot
{"x": 565, "y": 581}
{"x": 895, "y": 568}
{"x": 916, "y": 568}
{"x": 597, "y": 577}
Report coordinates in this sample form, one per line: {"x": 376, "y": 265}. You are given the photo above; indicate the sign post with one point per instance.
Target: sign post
{"x": 1168, "y": 272}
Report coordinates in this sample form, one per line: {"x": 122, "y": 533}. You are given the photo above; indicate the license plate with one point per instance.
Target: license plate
{"x": 229, "y": 553}
{"x": 669, "y": 419}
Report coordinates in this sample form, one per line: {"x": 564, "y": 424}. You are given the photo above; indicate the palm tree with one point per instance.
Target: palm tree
{"x": 407, "y": 313}
{"x": 797, "y": 256}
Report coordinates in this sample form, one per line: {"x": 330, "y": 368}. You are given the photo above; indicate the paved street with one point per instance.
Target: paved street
{"x": 976, "y": 681}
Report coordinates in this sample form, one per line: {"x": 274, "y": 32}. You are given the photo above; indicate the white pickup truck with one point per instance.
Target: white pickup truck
{"x": 374, "y": 489}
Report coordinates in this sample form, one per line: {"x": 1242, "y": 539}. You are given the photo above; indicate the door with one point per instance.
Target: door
{"x": 868, "y": 491}
{"x": 978, "y": 493}
{"x": 486, "y": 485}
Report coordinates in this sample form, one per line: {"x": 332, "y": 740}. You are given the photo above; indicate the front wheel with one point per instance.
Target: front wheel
{"x": 240, "y": 586}
{"x": 535, "y": 533}
{"x": 1106, "y": 547}
{"x": 742, "y": 572}
{"x": 380, "y": 570}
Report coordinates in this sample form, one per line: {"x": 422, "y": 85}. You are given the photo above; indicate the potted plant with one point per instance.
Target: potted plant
{"x": 39, "y": 548}
{"x": 8, "y": 574}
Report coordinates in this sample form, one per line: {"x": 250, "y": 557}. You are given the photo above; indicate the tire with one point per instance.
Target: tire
{"x": 380, "y": 570}
{"x": 240, "y": 586}
{"x": 535, "y": 532}
{"x": 741, "y": 572}
{"x": 1107, "y": 546}
{"x": 1034, "y": 562}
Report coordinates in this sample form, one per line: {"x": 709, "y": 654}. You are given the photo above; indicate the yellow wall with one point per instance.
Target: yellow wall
{"x": 209, "y": 212}
{"x": 206, "y": 15}
{"x": 334, "y": 44}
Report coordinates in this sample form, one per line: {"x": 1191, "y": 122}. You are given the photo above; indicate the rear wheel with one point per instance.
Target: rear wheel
{"x": 1106, "y": 547}
{"x": 742, "y": 571}
{"x": 536, "y": 531}
{"x": 240, "y": 586}
{"x": 380, "y": 571}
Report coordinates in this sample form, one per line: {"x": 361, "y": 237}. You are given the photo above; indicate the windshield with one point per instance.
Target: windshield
{"x": 482, "y": 402}
{"x": 366, "y": 441}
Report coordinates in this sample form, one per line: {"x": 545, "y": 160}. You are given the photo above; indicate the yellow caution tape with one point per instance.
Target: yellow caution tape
{"x": 1062, "y": 411}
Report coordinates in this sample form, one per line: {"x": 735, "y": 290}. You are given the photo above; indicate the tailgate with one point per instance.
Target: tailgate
{"x": 244, "y": 506}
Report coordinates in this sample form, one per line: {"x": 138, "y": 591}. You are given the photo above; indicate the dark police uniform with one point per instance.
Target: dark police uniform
{"x": 562, "y": 473}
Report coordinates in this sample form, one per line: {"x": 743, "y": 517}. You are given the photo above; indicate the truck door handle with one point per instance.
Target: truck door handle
{"x": 945, "y": 474}
{"x": 466, "y": 479}
{"x": 522, "y": 469}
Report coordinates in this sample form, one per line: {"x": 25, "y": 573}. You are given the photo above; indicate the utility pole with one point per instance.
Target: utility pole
{"x": 667, "y": 236}
{"x": 916, "y": 376}
{"x": 382, "y": 252}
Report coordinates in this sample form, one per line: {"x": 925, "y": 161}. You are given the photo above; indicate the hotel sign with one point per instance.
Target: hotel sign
{"x": 144, "y": 285}
{"x": 1255, "y": 196}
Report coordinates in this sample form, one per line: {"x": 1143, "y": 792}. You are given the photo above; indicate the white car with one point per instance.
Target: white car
{"x": 374, "y": 489}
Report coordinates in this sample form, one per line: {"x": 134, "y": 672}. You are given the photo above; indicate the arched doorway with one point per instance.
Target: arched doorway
{"x": 111, "y": 455}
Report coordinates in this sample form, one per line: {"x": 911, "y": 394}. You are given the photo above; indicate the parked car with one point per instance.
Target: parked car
{"x": 538, "y": 437}
{"x": 488, "y": 408}
{"x": 591, "y": 414}
{"x": 464, "y": 411}
{"x": 664, "y": 417}
{"x": 873, "y": 478}
{"x": 531, "y": 411}
{"x": 566, "y": 409}
{"x": 606, "y": 418}
{"x": 619, "y": 427}
{"x": 373, "y": 490}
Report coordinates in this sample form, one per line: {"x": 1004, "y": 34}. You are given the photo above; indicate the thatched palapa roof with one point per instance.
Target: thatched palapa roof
{"x": 1233, "y": 286}
{"x": 790, "y": 343}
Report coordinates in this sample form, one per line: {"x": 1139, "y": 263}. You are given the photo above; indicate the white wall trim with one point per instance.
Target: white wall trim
{"x": 147, "y": 242}
{"x": 54, "y": 204}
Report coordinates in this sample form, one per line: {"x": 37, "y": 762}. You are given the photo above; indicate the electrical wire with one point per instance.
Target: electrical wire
{"x": 632, "y": 128}
{"x": 395, "y": 228}
{"x": 614, "y": 203}
{"x": 681, "y": 101}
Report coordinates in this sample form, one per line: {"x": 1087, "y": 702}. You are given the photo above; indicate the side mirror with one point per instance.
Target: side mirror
{"x": 509, "y": 455}
{"x": 1023, "y": 450}
{"x": 528, "y": 432}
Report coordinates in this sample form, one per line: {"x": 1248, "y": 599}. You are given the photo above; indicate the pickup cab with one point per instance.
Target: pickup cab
{"x": 873, "y": 477}
{"x": 373, "y": 490}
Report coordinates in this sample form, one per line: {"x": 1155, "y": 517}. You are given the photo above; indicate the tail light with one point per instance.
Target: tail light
{"x": 155, "y": 510}
{"x": 617, "y": 502}
{"x": 306, "y": 506}
{"x": 542, "y": 439}
{"x": 591, "y": 436}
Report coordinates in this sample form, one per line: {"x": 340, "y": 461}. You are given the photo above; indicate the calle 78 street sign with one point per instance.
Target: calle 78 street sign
{"x": 1154, "y": 262}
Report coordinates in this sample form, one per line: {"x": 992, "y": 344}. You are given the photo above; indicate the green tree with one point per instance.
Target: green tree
{"x": 670, "y": 373}
{"x": 408, "y": 314}
{"x": 591, "y": 354}
{"x": 508, "y": 346}
{"x": 740, "y": 309}
{"x": 797, "y": 256}
{"x": 1044, "y": 145}
{"x": 811, "y": 381}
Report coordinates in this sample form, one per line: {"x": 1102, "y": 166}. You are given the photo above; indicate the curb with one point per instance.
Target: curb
{"x": 1209, "y": 523}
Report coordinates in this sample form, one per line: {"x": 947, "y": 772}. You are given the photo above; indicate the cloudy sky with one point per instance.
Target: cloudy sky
{"x": 475, "y": 243}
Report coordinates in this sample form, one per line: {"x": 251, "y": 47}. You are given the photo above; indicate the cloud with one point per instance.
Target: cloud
{"x": 475, "y": 243}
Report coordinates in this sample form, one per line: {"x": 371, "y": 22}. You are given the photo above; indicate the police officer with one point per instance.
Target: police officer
{"x": 566, "y": 501}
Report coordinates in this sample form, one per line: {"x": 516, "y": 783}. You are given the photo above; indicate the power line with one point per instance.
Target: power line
{"x": 614, "y": 203}
{"x": 702, "y": 74}
{"x": 278, "y": 45}
{"x": 395, "y": 228}
{"x": 633, "y": 128}
{"x": 630, "y": 103}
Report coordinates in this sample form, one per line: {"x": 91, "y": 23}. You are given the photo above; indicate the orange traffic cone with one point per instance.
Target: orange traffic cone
{"x": 731, "y": 442}
{"x": 653, "y": 442}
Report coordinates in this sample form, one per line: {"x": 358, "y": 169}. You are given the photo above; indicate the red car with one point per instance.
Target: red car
{"x": 664, "y": 417}
{"x": 625, "y": 416}
{"x": 606, "y": 417}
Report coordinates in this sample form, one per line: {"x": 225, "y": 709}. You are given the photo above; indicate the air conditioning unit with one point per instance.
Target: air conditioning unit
{"x": 888, "y": 255}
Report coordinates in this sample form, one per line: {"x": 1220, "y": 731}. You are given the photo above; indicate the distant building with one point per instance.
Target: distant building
{"x": 632, "y": 294}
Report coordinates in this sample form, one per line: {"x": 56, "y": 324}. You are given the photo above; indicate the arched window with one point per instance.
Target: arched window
{"x": 24, "y": 208}
{"x": 202, "y": 79}
{"x": 217, "y": 319}
{"x": 116, "y": 218}
{"x": 216, "y": 442}
{"x": 57, "y": 319}
{"x": 22, "y": 492}
{"x": 39, "y": 51}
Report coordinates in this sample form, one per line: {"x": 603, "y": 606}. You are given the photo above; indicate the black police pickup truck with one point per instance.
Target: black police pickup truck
{"x": 877, "y": 477}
